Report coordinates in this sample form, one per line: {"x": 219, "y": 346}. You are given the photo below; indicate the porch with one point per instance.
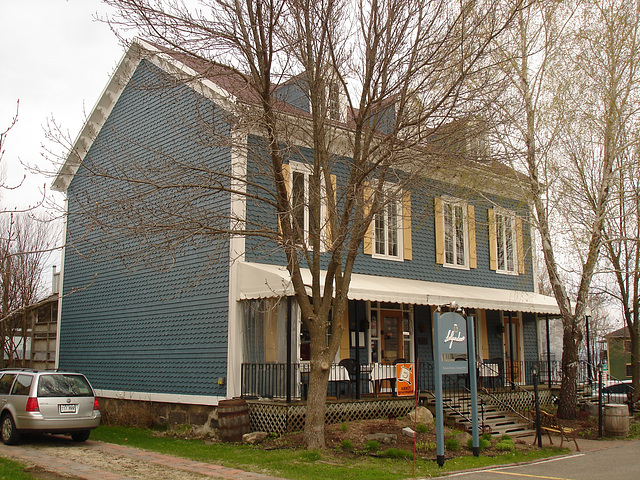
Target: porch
{"x": 276, "y": 393}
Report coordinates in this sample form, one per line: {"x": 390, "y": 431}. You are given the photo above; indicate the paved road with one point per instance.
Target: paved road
{"x": 615, "y": 461}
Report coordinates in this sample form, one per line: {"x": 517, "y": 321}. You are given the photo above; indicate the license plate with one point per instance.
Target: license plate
{"x": 66, "y": 408}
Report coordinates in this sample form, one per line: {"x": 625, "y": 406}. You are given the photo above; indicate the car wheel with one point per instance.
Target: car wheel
{"x": 82, "y": 436}
{"x": 10, "y": 435}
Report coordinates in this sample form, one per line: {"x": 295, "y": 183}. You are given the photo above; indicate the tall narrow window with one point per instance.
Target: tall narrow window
{"x": 455, "y": 234}
{"x": 505, "y": 240}
{"x": 307, "y": 204}
{"x": 387, "y": 225}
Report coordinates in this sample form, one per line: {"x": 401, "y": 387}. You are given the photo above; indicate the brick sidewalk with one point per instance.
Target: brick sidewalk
{"x": 65, "y": 466}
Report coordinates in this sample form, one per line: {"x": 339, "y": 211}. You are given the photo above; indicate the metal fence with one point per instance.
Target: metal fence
{"x": 291, "y": 381}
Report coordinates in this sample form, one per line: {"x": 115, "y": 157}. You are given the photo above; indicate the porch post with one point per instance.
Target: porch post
{"x": 288, "y": 373}
{"x": 513, "y": 376}
{"x": 548, "y": 353}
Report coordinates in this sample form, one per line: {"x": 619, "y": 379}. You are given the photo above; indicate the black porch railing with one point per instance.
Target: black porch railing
{"x": 290, "y": 381}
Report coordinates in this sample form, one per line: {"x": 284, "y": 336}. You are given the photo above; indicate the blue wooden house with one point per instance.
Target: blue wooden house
{"x": 216, "y": 319}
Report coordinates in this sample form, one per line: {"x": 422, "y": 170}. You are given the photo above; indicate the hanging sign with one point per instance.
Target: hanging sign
{"x": 452, "y": 336}
{"x": 405, "y": 384}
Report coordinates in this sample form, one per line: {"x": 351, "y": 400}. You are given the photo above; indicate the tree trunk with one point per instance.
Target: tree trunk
{"x": 567, "y": 402}
{"x": 316, "y": 406}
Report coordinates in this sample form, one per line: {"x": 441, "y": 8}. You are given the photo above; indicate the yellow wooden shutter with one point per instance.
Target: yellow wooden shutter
{"x": 520, "y": 246}
{"x": 493, "y": 245}
{"x": 406, "y": 225}
{"x": 439, "y": 221}
{"x": 473, "y": 257}
{"x": 367, "y": 242}
{"x": 485, "y": 334}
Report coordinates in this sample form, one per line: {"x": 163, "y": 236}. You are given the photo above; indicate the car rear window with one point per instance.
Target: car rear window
{"x": 62, "y": 385}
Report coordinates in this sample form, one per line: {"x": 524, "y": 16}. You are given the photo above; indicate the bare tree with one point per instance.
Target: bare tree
{"x": 411, "y": 67}
{"x": 25, "y": 244}
{"x": 568, "y": 103}
{"x": 622, "y": 250}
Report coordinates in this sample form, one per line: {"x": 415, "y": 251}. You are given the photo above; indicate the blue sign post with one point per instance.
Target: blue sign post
{"x": 454, "y": 353}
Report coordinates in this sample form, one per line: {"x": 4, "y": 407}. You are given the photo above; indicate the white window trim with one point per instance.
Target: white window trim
{"x": 465, "y": 226}
{"x": 511, "y": 216}
{"x": 306, "y": 169}
{"x": 398, "y": 195}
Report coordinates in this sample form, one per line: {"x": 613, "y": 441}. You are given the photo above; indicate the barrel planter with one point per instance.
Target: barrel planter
{"x": 616, "y": 420}
{"x": 233, "y": 419}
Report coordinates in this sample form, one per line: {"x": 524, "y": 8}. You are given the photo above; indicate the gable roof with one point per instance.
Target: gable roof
{"x": 228, "y": 87}
{"x": 222, "y": 83}
{"x": 620, "y": 333}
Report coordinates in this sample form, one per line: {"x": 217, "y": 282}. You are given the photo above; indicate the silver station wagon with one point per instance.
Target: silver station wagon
{"x": 46, "y": 401}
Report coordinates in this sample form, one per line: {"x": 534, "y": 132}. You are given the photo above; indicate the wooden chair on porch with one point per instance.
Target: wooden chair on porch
{"x": 351, "y": 366}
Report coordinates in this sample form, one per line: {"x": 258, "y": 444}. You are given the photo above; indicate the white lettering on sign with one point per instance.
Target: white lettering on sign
{"x": 454, "y": 336}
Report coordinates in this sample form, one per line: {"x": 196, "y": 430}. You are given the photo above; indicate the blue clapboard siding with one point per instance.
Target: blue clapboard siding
{"x": 128, "y": 326}
{"x": 530, "y": 334}
{"x": 423, "y": 266}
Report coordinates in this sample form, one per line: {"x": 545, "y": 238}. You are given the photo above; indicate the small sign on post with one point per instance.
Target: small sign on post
{"x": 405, "y": 382}
{"x": 453, "y": 351}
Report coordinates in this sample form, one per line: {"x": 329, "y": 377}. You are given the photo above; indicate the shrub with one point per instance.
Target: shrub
{"x": 505, "y": 446}
{"x": 422, "y": 428}
{"x": 482, "y": 443}
{"x": 506, "y": 438}
{"x": 397, "y": 453}
{"x": 372, "y": 446}
{"x": 452, "y": 444}
{"x": 426, "y": 446}
{"x": 346, "y": 445}
{"x": 343, "y": 427}
{"x": 486, "y": 436}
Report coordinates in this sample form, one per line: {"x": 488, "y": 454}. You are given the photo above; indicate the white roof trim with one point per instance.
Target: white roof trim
{"x": 264, "y": 281}
{"x": 138, "y": 50}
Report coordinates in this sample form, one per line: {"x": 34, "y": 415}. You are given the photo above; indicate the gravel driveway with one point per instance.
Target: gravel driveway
{"x": 57, "y": 458}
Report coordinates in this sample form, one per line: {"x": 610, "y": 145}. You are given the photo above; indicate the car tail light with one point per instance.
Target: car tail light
{"x": 32, "y": 405}
{"x": 96, "y": 406}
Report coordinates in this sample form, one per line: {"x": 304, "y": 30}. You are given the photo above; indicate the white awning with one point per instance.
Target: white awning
{"x": 256, "y": 280}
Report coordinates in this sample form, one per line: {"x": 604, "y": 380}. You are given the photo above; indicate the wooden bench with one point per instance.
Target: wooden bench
{"x": 551, "y": 424}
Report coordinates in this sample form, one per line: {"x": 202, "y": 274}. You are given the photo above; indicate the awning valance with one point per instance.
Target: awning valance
{"x": 256, "y": 280}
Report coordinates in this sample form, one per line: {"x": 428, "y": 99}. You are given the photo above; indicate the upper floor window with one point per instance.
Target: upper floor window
{"x": 306, "y": 204}
{"x": 505, "y": 242}
{"x": 455, "y": 233}
{"x": 389, "y": 235}
{"x": 308, "y": 200}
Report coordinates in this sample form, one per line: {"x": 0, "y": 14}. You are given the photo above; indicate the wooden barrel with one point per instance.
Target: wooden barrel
{"x": 616, "y": 420}
{"x": 233, "y": 419}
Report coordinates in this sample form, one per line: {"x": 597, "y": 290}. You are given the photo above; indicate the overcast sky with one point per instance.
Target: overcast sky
{"x": 55, "y": 58}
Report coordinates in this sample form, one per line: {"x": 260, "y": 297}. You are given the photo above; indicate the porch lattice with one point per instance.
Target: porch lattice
{"x": 282, "y": 418}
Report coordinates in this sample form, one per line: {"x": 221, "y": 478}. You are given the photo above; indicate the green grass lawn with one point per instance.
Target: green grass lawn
{"x": 10, "y": 470}
{"x": 300, "y": 463}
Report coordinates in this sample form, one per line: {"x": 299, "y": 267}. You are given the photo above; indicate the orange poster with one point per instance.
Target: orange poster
{"x": 405, "y": 379}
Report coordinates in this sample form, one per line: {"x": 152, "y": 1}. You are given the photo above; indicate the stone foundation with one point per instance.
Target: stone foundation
{"x": 204, "y": 418}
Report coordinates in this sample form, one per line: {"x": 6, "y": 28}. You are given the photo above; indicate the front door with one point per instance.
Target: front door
{"x": 512, "y": 347}
{"x": 391, "y": 336}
